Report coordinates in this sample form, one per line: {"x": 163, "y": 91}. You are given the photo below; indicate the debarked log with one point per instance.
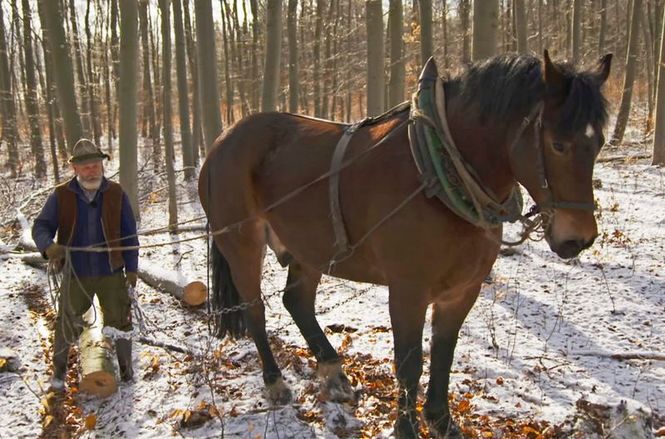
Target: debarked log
{"x": 98, "y": 376}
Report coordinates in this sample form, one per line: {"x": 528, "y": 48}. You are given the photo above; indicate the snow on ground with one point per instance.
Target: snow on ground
{"x": 539, "y": 339}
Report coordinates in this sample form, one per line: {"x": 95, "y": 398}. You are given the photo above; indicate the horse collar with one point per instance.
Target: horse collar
{"x": 450, "y": 178}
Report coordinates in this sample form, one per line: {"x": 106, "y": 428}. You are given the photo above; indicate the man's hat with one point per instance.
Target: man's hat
{"x": 85, "y": 151}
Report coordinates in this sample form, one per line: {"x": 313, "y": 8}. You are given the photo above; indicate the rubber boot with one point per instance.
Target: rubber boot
{"x": 60, "y": 357}
{"x": 123, "y": 349}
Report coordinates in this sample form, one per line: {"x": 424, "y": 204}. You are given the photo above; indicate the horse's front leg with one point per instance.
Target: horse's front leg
{"x": 408, "y": 306}
{"x": 447, "y": 318}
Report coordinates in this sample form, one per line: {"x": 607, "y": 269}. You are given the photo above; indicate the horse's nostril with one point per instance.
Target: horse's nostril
{"x": 570, "y": 249}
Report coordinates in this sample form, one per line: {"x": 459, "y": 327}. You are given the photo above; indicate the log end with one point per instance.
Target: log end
{"x": 195, "y": 293}
{"x": 99, "y": 383}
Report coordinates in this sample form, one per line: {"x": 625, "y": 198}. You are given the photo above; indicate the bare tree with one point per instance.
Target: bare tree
{"x": 659, "y": 133}
{"x": 397, "y": 65}
{"x": 9, "y": 127}
{"x": 127, "y": 90}
{"x": 292, "y": 28}
{"x": 51, "y": 14}
{"x": 426, "y": 43}
{"x": 164, "y": 6}
{"x": 197, "y": 134}
{"x": 521, "y": 27}
{"x": 183, "y": 98}
{"x": 272, "y": 51}
{"x": 149, "y": 113}
{"x": 464, "y": 9}
{"x": 485, "y": 25}
{"x": 629, "y": 79}
{"x": 575, "y": 25}
{"x": 31, "y": 102}
{"x": 375, "y": 57}
{"x": 207, "y": 57}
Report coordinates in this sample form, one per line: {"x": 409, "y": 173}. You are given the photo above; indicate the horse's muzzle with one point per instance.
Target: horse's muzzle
{"x": 570, "y": 248}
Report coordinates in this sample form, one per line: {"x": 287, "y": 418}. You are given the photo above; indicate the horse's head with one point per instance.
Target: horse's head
{"x": 555, "y": 163}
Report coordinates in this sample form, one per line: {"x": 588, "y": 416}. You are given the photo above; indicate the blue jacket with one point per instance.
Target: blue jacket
{"x": 88, "y": 231}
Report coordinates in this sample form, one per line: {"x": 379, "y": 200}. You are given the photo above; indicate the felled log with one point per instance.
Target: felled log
{"x": 174, "y": 283}
{"x": 33, "y": 259}
{"x": 96, "y": 357}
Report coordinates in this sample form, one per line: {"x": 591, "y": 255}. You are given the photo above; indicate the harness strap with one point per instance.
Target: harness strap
{"x": 341, "y": 245}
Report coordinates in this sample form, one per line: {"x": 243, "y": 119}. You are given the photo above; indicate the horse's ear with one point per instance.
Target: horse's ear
{"x": 430, "y": 71}
{"x": 603, "y": 71}
{"x": 551, "y": 74}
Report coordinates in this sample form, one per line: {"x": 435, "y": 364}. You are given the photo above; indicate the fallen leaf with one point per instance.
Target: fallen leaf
{"x": 90, "y": 421}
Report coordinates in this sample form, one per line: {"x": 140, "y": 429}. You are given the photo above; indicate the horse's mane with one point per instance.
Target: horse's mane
{"x": 509, "y": 85}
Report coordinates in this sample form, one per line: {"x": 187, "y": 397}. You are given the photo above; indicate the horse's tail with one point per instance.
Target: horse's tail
{"x": 225, "y": 298}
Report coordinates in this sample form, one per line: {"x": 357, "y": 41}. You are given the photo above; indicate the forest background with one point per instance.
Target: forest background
{"x": 155, "y": 82}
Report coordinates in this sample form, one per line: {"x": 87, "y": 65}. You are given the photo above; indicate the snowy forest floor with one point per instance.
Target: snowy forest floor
{"x": 539, "y": 341}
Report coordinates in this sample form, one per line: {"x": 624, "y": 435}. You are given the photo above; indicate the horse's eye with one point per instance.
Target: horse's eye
{"x": 559, "y": 147}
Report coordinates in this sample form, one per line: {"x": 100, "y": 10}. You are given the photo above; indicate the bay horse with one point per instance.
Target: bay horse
{"x": 266, "y": 181}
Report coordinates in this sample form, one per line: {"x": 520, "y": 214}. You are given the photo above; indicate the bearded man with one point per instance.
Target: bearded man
{"x": 89, "y": 211}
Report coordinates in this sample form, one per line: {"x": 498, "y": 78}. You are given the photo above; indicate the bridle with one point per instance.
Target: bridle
{"x": 536, "y": 117}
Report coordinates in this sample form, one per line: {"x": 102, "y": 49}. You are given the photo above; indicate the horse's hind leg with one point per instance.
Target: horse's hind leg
{"x": 244, "y": 251}
{"x": 299, "y": 298}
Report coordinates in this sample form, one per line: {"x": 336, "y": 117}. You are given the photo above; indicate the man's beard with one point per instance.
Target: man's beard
{"x": 90, "y": 183}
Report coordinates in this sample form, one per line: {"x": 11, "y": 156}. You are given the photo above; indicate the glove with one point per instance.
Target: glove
{"x": 131, "y": 277}
{"x": 55, "y": 252}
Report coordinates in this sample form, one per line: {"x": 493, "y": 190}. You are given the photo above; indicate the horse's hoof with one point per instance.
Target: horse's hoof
{"x": 444, "y": 428}
{"x": 406, "y": 429}
{"x": 279, "y": 393}
{"x": 335, "y": 386}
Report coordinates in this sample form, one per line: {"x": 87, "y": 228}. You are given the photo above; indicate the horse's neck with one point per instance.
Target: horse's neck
{"x": 483, "y": 146}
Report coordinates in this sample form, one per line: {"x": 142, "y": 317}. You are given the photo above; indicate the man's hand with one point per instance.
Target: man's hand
{"x": 55, "y": 252}
{"x": 132, "y": 277}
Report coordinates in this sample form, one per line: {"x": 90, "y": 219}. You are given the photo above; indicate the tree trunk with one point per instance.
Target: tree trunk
{"x": 603, "y": 27}
{"x": 659, "y": 132}
{"x": 521, "y": 27}
{"x": 426, "y": 43}
{"x": 197, "y": 134}
{"x": 485, "y": 24}
{"x": 375, "y": 57}
{"x": 148, "y": 94}
{"x": 444, "y": 32}
{"x": 649, "y": 70}
{"x": 164, "y": 6}
{"x": 50, "y": 109}
{"x": 273, "y": 51}
{"x": 292, "y": 27}
{"x": 106, "y": 60}
{"x": 94, "y": 116}
{"x": 82, "y": 80}
{"x": 631, "y": 60}
{"x": 31, "y": 103}
{"x": 576, "y": 23}
{"x": 129, "y": 52}
{"x": 254, "y": 72}
{"x": 183, "y": 98}
{"x": 62, "y": 68}
{"x": 464, "y": 12}
{"x": 115, "y": 59}
{"x": 96, "y": 355}
{"x": 318, "y": 32}
{"x": 228, "y": 63}
{"x": 397, "y": 66}
{"x": 205, "y": 35}
{"x": 9, "y": 127}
